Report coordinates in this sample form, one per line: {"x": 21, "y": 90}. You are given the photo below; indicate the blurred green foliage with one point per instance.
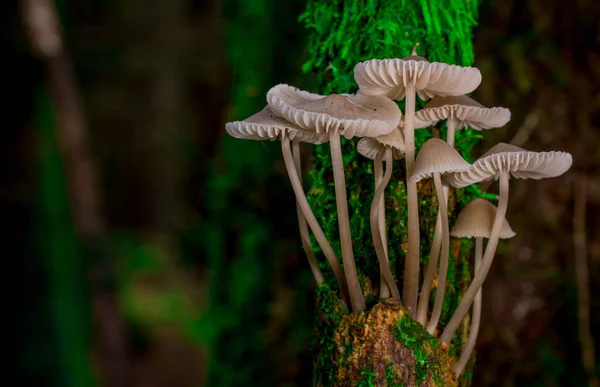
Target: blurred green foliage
{"x": 58, "y": 249}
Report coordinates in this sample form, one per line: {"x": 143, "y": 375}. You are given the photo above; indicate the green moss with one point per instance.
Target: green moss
{"x": 413, "y": 336}
{"x": 368, "y": 378}
{"x": 330, "y": 312}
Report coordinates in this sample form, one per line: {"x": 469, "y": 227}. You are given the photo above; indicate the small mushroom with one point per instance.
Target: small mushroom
{"x": 265, "y": 125}
{"x": 435, "y": 158}
{"x": 347, "y": 115}
{"x": 389, "y": 147}
{"x": 460, "y": 111}
{"x": 501, "y": 162}
{"x": 476, "y": 221}
{"x": 397, "y": 79}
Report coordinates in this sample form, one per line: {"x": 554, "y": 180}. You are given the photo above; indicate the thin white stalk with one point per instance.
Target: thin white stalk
{"x": 311, "y": 220}
{"x": 384, "y": 290}
{"x": 423, "y": 305}
{"x": 441, "y": 287}
{"x": 488, "y": 257}
{"x": 451, "y": 125}
{"x": 410, "y": 289}
{"x": 384, "y": 266}
{"x": 381, "y": 216}
{"x": 475, "y": 320}
{"x": 432, "y": 266}
{"x": 304, "y": 236}
{"x": 356, "y": 295}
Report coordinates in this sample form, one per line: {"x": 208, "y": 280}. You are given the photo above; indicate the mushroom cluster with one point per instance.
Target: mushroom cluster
{"x": 294, "y": 116}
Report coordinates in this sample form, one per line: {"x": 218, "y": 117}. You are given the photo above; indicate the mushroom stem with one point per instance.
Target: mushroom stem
{"x": 384, "y": 290}
{"x": 474, "y": 331}
{"x": 490, "y": 250}
{"x": 431, "y": 271}
{"x": 411, "y": 265}
{"x": 356, "y": 296}
{"x": 451, "y": 125}
{"x": 304, "y": 236}
{"x": 311, "y": 220}
{"x": 384, "y": 266}
{"x": 441, "y": 287}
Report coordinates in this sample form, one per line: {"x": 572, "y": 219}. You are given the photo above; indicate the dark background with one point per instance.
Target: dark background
{"x": 202, "y": 230}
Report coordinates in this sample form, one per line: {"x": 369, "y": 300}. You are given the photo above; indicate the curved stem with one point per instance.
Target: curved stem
{"x": 411, "y": 265}
{"x": 441, "y": 287}
{"x": 384, "y": 290}
{"x": 430, "y": 272}
{"x": 384, "y": 266}
{"x": 451, "y": 125}
{"x": 381, "y": 215}
{"x": 474, "y": 331}
{"x": 303, "y": 226}
{"x": 356, "y": 296}
{"x": 488, "y": 257}
{"x": 311, "y": 220}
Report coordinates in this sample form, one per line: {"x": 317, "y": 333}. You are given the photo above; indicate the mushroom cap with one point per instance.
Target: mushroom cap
{"x": 265, "y": 125}
{"x": 476, "y": 220}
{"x": 390, "y": 77}
{"x": 520, "y": 163}
{"x": 465, "y": 110}
{"x": 354, "y": 115}
{"x": 372, "y": 147}
{"x": 436, "y": 156}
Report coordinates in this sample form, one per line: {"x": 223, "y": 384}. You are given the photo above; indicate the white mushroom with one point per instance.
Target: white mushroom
{"x": 435, "y": 158}
{"x": 347, "y": 115}
{"x": 476, "y": 221}
{"x": 460, "y": 111}
{"x": 389, "y": 147}
{"x": 265, "y": 125}
{"x": 399, "y": 78}
{"x": 501, "y": 162}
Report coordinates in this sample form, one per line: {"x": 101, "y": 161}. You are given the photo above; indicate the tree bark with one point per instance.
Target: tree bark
{"x": 384, "y": 346}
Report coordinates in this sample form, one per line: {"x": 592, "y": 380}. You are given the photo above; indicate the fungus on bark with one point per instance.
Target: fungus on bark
{"x": 459, "y": 112}
{"x": 349, "y": 116}
{"x": 389, "y": 147}
{"x": 265, "y": 125}
{"x": 501, "y": 162}
{"x": 405, "y": 78}
{"x": 436, "y": 158}
{"x": 476, "y": 221}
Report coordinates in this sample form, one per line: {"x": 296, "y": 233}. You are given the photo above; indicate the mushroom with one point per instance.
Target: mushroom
{"x": 265, "y": 125}
{"x": 476, "y": 221}
{"x": 460, "y": 111}
{"x": 435, "y": 158}
{"x": 347, "y": 115}
{"x": 389, "y": 147}
{"x": 397, "y": 79}
{"x": 501, "y": 162}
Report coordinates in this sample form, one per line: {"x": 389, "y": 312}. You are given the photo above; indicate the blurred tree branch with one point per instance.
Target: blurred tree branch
{"x": 583, "y": 283}
{"x": 43, "y": 26}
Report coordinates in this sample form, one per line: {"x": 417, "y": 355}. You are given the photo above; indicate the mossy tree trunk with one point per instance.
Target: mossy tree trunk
{"x": 384, "y": 346}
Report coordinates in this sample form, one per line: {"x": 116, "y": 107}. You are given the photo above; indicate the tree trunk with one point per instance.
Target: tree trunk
{"x": 384, "y": 346}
